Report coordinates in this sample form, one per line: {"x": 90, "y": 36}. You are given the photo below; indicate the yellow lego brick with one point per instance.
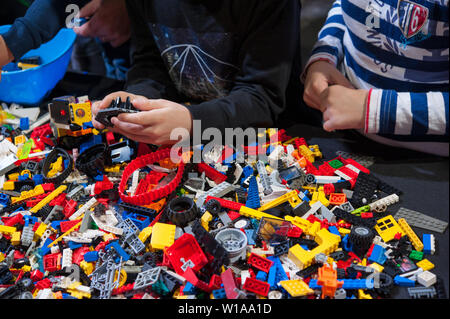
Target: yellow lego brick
{"x": 344, "y": 231}
{"x": 38, "y": 190}
{"x": 416, "y": 242}
{"x": 67, "y": 232}
{"x": 163, "y": 235}
{"x": 387, "y": 227}
{"x": 8, "y": 186}
{"x": 377, "y": 267}
{"x": 48, "y": 199}
{"x": 306, "y": 152}
{"x": 315, "y": 227}
{"x": 26, "y": 66}
{"x": 13, "y": 177}
{"x": 292, "y": 197}
{"x": 21, "y": 139}
{"x": 301, "y": 223}
{"x": 55, "y": 167}
{"x": 327, "y": 241}
{"x": 8, "y": 230}
{"x": 425, "y": 264}
{"x": 206, "y": 218}
{"x": 315, "y": 151}
{"x": 40, "y": 231}
{"x": 2, "y": 257}
{"x": 296, "y": 288}
{"x": 15, "y": 238}
{"x": 81, "y": 113}
{"x": 363, "y": 295}
{"x": 320, "y": 196}
{"x": 108, "y": 236}
{"x": 145, "y": 234}
{"x": 88, "y": 267}
{"x": 252, "y": 213}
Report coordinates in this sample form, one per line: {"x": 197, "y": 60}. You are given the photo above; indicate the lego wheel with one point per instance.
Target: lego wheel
{"x": 181, "y": 211}
{"x": 92, "y": 161}
{"x": 361, "y": 238}
{"x": 213, "y": 206}
{"x": 50, "y": 159}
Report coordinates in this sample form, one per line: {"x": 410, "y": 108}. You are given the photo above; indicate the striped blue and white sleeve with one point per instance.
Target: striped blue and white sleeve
{"x": 414, "y": 114}
{"x": 329, "y": 44}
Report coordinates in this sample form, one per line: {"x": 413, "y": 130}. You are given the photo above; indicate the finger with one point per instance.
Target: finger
{"x": 329, "y": 126}
{"x": 106, "y": 102}
{"x": 310, "y": 102}
{"x": 92, "y": 28}
{"x": 144, "y": 118}
{"x": 128, "y": 127}
{"x": 144, "y": 104}
{"x": 89, "y": 9}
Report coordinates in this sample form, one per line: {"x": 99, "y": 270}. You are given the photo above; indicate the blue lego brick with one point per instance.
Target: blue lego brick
{"x": 250, "y": 236}
{"x": 66, "y": 163}
{"x": 313, "y": 284}
{"x": 4, "y": 199}
{"x": 303, "y": 196}
{"x": 87, "y": 125}
{"x": 334, "y": 230}
{"x": 91, "y": 256}
{"x": 346, "y": 245}
{"x": 427, "y": 243}
{"x": 24, "y": 123}
{"x": 261, "y": 275}
{"x": 67, "y": 296}
{"x": 404, "y": 282}
{"x": 55, "y": 224}
{"x": 38, "y": 179}
{"x": 276, "y": 273}
{"x": 189, "y": 289}
{"x": 73, "y": 245}
{"x": 139, "y": 220}
{"x": 29, "y": 219}
{"x": 305, "y": 247}
{"x": 23, "y": 177}
{"x": 44, "y": 250}
{"x": 219, "y": 294}
{"x": 118, "y": 249}
{"x": 253, "y": 200}
{"x": 378, "y": 255}
{"x": 357, "y": 284}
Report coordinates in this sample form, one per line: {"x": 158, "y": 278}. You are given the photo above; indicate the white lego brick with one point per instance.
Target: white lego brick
{"x": 244, "y": 275}
{"x": 91, "y": 203}
{"x": 426, "y": 278}
{"x": 327, "y": 179}
{"x": 66, "y": 258}
{"x": 382, "y": 204}
{"x": 45, "y": 294}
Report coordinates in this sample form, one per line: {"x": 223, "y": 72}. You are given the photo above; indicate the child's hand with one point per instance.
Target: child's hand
{"x": 155, "y": 123}
{"x": 108, "y": 21}
{"x": 343, "y": 108}
{"x": 321, "y": 75}
{"x": 105, "y": 103}
{"x": 5, "y": 55}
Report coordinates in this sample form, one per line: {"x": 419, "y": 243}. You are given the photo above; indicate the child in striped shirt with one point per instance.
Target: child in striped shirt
{"x": 381, "y": 66}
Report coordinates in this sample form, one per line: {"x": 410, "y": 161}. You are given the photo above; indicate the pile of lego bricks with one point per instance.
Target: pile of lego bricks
{"x": 77, "y": 220}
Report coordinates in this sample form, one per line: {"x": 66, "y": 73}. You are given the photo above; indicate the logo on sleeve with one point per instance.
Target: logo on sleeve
{"x": 412, "y": 17}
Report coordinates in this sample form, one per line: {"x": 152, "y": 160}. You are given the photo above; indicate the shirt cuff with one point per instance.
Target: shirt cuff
{"x": 318, "y": 57}
{"x": 372, "y": 123}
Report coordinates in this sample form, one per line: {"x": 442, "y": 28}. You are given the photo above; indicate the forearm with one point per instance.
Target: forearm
{"x": 6, "y": 55}
{"x": 414, "y": 114}
{"x": 41, "y": 23}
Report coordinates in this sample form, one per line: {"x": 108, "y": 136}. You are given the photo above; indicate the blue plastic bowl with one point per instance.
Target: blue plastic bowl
{"x": 30, "y": 87}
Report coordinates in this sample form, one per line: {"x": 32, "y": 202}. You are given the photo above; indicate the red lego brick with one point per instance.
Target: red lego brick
{"x": 52, "y": 262}
{"x": 367, "y": 215}
{"x": 229, "y": 284}
{"x": 215, "y": 282}
{"x": 78, "y": 254}
{"x": 256, "y": 286}
{"x": 210, "y": 172}
{"x": 183, "y": 250}
{"x": 227, "y": 204}
{"x": 66, "y": 225}
{"x": 337, "y": 199}
{"x": 233, "y": 215}
{"x": 190, "y": 276}
{"x": 259, "y": 262}
{"x": 70, "y": 208}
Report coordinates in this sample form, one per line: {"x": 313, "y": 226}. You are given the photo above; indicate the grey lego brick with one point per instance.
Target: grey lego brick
{"x": 147, "y": 278}
{"x": 420, "y": 220}
{"x": 422, "y": 292}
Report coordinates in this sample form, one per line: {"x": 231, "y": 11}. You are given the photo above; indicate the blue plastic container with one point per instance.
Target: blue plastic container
{"x": 30, "y": 87}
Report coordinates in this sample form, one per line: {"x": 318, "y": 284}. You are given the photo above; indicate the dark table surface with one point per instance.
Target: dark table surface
{"x": 423, "y": 179}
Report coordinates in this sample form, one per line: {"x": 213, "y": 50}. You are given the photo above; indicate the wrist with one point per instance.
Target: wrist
{"x": 364, "y": 99}
{"x": 6, "y": 55}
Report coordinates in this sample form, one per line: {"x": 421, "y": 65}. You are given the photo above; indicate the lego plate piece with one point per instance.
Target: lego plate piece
{"x": 416, "y": 219}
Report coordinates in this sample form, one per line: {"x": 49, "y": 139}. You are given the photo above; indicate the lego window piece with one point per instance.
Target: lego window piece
{"x": 388, "y": 228}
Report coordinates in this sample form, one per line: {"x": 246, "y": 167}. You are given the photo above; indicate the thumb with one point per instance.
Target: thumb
{"x": 329, "y": 126}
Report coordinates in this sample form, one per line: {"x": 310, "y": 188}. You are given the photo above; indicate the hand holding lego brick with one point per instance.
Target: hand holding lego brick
{"x": 108, "y": 21}
{"x": 320, "y": 76}
{"x": 5, "y": 55}
{"x": 105, "y": 103}
{"x": 155, "y": 123}
{"x": 343, "y": 108}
